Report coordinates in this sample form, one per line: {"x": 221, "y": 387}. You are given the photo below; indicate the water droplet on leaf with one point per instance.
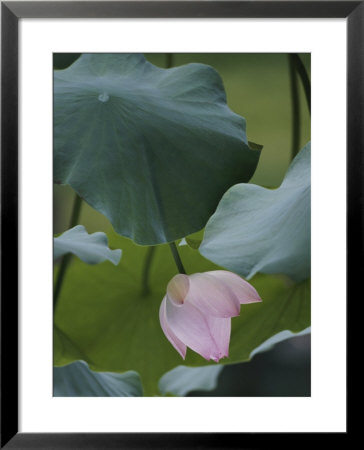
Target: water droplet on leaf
{"x": 104, "y": 97}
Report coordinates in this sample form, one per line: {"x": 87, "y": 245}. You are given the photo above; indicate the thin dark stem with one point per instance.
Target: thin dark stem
{"x": 61, "y": 273}
{"x": 177, "y": 258}
{"x": 295, "y": 101}
{"x": 76, "y": 211}
{"x": 169, "y": 60}
{"x": 301, "y": 70}
{"x": 146, "y": 270}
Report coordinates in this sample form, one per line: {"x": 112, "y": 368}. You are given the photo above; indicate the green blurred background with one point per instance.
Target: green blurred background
{"x": 258, "y": 88}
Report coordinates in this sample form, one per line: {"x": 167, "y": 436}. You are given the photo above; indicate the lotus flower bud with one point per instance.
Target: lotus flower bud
{"x": 197, "y": 309}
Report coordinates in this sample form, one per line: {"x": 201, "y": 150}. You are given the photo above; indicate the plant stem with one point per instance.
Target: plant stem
{"x": 146, "y": 270}
{"x": 61, "y": 273}
{"x": 295, "y": 102}
{"x": 177, "y": 258}
{"x": 301, "y": 70}
{"x": 169, "y": 60}
{"x": 76, "y": 210}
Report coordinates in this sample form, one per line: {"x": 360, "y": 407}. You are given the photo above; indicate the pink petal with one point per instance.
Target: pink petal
{"x": 212, "y": 296}
{"x": 243, "y": 291}
{"x": 220, "y": 329}
{"x": 173, "y": 339}
{"x": 192, "y": 328}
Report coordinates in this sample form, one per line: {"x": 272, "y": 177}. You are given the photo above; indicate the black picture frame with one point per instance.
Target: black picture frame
{"x": 11, "y": 12}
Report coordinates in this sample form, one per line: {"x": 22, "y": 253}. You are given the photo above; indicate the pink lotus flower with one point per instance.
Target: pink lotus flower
{"x": 197, "y": 311}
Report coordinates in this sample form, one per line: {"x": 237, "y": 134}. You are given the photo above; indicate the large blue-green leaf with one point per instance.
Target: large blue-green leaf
{"x": 152, "y": 149}
{"x": 114, "y": 325}
{"x": 90, "y": 248}
{"x": 182, "y": 380}
{"x": 77, "y": 380}
{"x": 261, "y": 230}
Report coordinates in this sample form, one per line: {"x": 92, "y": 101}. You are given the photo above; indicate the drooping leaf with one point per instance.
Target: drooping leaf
{"x": 103, "y": 311}
{"x": 90, "y": 248}
{"x": 261, "y": 230}
{"x": 276, "y": 339}
{"x": 152, "y": 149}
{"x": 77, "y": 380}
{"x": 182, "y": 380}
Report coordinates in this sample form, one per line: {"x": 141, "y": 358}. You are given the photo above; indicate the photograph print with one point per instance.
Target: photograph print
{"x": 182, "y": 224}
